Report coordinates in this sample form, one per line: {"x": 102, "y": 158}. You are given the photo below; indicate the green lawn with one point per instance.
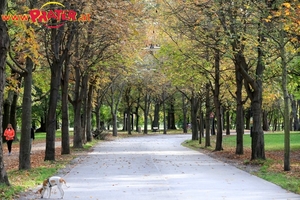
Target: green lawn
{"x": 273, "y": 141}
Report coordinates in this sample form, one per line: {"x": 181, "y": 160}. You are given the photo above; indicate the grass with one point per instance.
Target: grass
{"x": 22, "y": 179}
{"x": 273, "y": 141}
{"x": 272, "y": 168}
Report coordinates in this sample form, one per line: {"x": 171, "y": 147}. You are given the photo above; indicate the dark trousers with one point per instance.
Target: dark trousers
{"x": 9, "y": 143}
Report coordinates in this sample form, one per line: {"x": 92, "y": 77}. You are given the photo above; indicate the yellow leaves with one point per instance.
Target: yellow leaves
{"x": 269, "y": 18}
{"x": 24, "y": 42}
{"x": 287, "y": 5}
{"x": 286, "y": 28}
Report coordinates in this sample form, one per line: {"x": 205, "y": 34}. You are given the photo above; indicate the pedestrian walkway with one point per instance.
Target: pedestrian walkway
{"x": 158, "y": 167}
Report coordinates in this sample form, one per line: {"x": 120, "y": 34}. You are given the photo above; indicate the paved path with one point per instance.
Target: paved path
{"x": 158, "y": 167}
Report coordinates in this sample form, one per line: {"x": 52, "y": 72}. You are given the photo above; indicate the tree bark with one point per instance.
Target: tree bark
{"x": 227, "y": 122}
{"x": 171, "y": 117}
{"x": 114, "y": 124}
{"x": 295, "y": 121}
{"x": 129, "y": 125}
{"x": 6, "y": 110}
{"x": 89, "y": 114}
{"x": 156, "y": 115}
{"x": 137, "y": 127}
{"x": 83, "y": 94}
{"x": 13, "y": 109}
{"x": 184, "y": 112}
{"x": 146, "y": 112}
{"x": 265, "y": 121}
{"x": 194, "y": 111}
{"x": 51, "y": 118}
{"x": 65, "y": 138}
{"x": 286, "y": 112}
{"x": 77, "y": 139}
{"x": 217, "y": 102}
{"x": 248, "y": 115}
{"x": 254, "y": 88}
{"x": 25, "y": 145}
{"x": 239, "y": 110}
{"x": 207, "y": 117}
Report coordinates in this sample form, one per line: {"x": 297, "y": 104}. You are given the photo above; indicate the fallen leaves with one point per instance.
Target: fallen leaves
{"x": 37, "y": 158}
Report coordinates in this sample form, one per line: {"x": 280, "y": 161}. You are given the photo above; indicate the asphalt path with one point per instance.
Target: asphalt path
{"x": 159, "y": 167}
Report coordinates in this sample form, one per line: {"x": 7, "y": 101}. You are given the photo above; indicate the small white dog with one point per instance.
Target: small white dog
{"x": 49, "y": 183}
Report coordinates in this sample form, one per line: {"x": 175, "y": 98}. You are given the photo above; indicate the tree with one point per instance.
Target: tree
{"x": 4, "y": 42}
{"x": 113, "y": 99}
{"x": 57, "y": 60}
{"x": 236, "y": 25}
{"x": 284, "y": 17}
{"x": 65, "y": 142}
{"x": 28, "y": 52}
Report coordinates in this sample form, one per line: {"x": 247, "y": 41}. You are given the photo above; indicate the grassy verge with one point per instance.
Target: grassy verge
{"x": 270, "y": 169}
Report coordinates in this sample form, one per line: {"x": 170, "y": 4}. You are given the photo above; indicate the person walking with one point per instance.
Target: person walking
{"x": 9, "y": 134}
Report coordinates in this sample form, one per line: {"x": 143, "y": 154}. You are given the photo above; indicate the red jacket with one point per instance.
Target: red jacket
{"x": 9, "y": 134}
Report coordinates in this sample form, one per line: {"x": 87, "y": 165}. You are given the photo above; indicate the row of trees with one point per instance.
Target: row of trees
{"x": 75, "y": 63}
{"x": 239, "y": 52}
{"x": 216, "y": 59}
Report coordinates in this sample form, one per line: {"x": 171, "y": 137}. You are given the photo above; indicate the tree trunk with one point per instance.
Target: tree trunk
{"x": 129, "y": 120}
{"x": 248, "y": 115}
{"x": 77, "y": 103}
{"x": 286, "y": 112}
{"x": 51, "y": 122}
{"x": 13, "y": 110}
{"x": 25, "y": 145}
{"x": 228, "y": 122}
{"x": 184, "y": 112}
{"x": 156, "y": 116}
{"x": 171, "y": 117}
{"x": 43, "y": 122}
{"x": 89, "y": 114}
{"x": 164, "y": 111}
{"x": 239, "y": 111}
{"x": 217, "y": 102}
{"x": 77, "y": 139}
{"x": 254, "y": 88}
{"x": 194, "y": 111}
{"x": 257, "y": 135}
{"x": 137, "y": 118}
{"x": 65, "y": 138}
{"x": 201, "y": 126}
{"x": 59, "y": 56}
{"x": 295, "y": 121}
{"x": 265, "y": 121}
{"x": 4, "y": 45}
{"x": 114, "y": 124}
{"x": 83, "y": 96}
{"x": 146, "y": 112}
{"x": 97, "y": 114}
{"x": 207, "y": 117}
{"x": 125, "y": 121}
{"x": 6, "y": 110}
